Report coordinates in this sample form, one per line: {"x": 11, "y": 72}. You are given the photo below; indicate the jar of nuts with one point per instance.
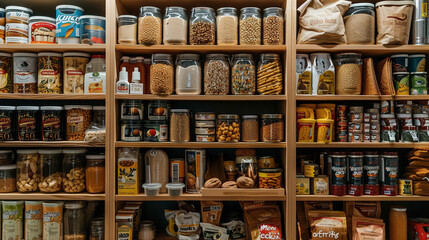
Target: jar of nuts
{"x": 50, "y": 170}
{"x": 250, "y": 26}
{"x": 74, "y": 170}
{"x": 78, "y": 121}
{"x": 273, "y": 25}
{"x": 8, "y": 178}
{"x": 228, "y": 128}
{"x": 270, "y": 178}
{"x": 162, "y": 74}
{"x": 272, "y": 129}
{"x": 202, "y": 30}
{"x": 28, "y": 173}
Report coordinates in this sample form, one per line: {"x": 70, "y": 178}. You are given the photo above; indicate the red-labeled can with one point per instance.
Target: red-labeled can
{"x": 371, "y": 173}
{"x": 389, "y": 162}
{"x": 337, "y": 173}
{"x": 355, "y": 177}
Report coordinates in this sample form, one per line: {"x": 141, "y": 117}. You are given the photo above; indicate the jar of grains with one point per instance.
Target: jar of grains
{"x": 150, "y": 26}
{"x": 175, "y": 26}
{"x": 25, "y": 73}
{"x": 227, "y": 26}
{"x": 272, "y": 128}
{"x": 6, "y": 80}
{"x": 78, "y": 118}
{"x": 7, "y": 114}
{"x": 243, "y": 74}
{"x": 97, "y": 229}
{"x": 270, "y": 74}
{"x": 50, "y": 170}
{"x": 180, "y": 125}
{"x": 188, "y": 74}
{"x": 228, "y": 128}
{"x": 52, "y": 119}
{"x": 250, "y": 26}
{"x": 250, "y": 128}
{"x": 359, "y": 22}
{"x": 348, "y": 74}
{"x": 202, "y": 28}
{"x": 74, "y": 221}
{"x": 74, "y": 170}
{"x": 28, "y": 173}
{"x": 50, "y": 73}
{"x": 216, "y": 74}
{"x": 127, "y": 29}
{"x": 147, "y": 230}
{"x": 162, "y": 74}
{"x": 273, "y": 26}
{"x": 28, "y": 125}
{"x": 7, "y": 178}
{"x": 95, "y": 172}
{"x": 74, "y": 72}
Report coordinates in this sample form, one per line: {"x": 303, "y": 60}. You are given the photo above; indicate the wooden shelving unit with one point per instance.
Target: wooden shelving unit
{"x": 202, "y": 97}
{"x": 53, "y": 196}
{"x": 56, "y": 144}
{"x": 200, "y": 145}
{"x": 327, "y": 98}
{"x": 82, "y": 97}
{"x": 35, "y": 48}
{"x": 324, "y": 198}
{"x": 360, "y": 145}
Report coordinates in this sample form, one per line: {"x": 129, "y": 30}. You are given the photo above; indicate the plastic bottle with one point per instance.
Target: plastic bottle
{"x": 125, "y": 62}
{"x": 136, "y": 87}
{"x": 123, "y": 86}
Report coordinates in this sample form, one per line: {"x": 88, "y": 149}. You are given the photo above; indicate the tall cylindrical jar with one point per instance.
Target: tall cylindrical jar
{"x": 188, "y": 74}
{"x": 398, "y": 223}
{"x": 25, "y": 73}
{"x": 250, "y": 128}
{"x": 6, "y": 76}
{"x": 74, "y": 170}
{"x": 175, "y": 26}
{"x": 180, "y": 125}
{"x": 273, "y": 26}
{"x": 78, "y": 120}
{"x": 348, "y": 74}
{"x": 50, "y": 170}
{"x": 162, "y": 74}
{"x": 52, "y": 123}
{"x": 359, "y": 22}
{"x": 127, "y": 29}
{"x": 95, "y": 173}
{"x": 227, "y": 26}
{"x": 250, "y": 26}
{"x": 28, "y": 123}
{"x": 272, "y": 128}
{"x": 150, "y": 26}
{"x": 28, "y": 172}
{"x": 74, "y": 72}
{"x": 17, "y": 24}
{"x": 74, "y": 220}
{"x": 202, "y": 29}
{"x": 216, "y": 74}
{"x": 270, "y": 74}
{"x": 50, "y": 73}
{"x": 243, "y": 75}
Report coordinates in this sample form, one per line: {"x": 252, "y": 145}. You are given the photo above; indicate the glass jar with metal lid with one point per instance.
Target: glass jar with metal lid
{"x": 250, "y": 26}
{"x": 272, "y": 128}
{"x": 180, "y": 125}
{"x": 188, "y": 74}
{"x": 243, "y": 75}
{"x": 175, "y": 26}
{"x": 348, "y": 73}
{"x": 202, "y": 30}
{"x": 270, "y": 74}
{"x": 97, "y": 229}
{"x": 150, "y": 26}
{"x": 227, "y": 26}
{"x": 74, "y": 170}
{"x": 228, "y": 128}
{"x": 162, "y": 74}
{"x": 250, "y": 128}
{"x": 7, "y": 114}
{"x": 216, "y": 74}
{"x": 127, "y": 29}
{"x": 95, "y": 173}
{"x": 273, "y": 26}
{"x": 28, "y": 171}
{"x": 359, "y": 22}
{"x": 50, "y": 170}
{"x": 74, "y": 220}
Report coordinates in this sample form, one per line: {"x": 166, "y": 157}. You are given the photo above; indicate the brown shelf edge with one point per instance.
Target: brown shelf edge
{"x": 52, "y": 47}
{"x": 360, "y": 198}
{"x": 373, "y": 49}
{"x": 52, "y": 196}
{"x": 199, "y": 48}
{"x": 197, "y": 197}
{"x": 360, "y": 145}
{"x": 50, "y": 144}
{"x": 358, "y": 97}
{"x": 82, "y": 97}
{"x": 202, "y": 97}
{"x": 199, "y": 145}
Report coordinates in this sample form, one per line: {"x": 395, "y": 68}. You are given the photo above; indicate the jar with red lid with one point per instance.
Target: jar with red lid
{"x": 355, "y": 177}
{"x": 338, "y": 173}
{"x": 389, "y": 162}
{"x": 371, "y": 173}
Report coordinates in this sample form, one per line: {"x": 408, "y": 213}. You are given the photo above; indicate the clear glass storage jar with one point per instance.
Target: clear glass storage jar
{"x": 216, "y": 74}
{"x": 202, "y": 30}
{"x": 359, "y": 22}
{"x": 180, "y": 125}
{"x": 250, "y": 128}
{"x": 8, "y": 178}
{"x": 28, "y": 123}
{"x": 28, "y": 172}
{"x": 243, "y": 75}
{"x": 95, "y": 173}
{"x": 273, "y": 26}
{"x": 97, "y": 229}
{"x": 78, "y": 120}
{"x": 188, "y": 74}
{"x": 99, "y": 116}
{"x": 150, "y": 26}
{"x": 74, "y": 221}
{"x": 162, "y": 74}
{"x": 7, "y": 125}
{"x": 50, "y": 170}
{"x": 270, "y": 74}
{"x": 250, "y": 26}
{"x": 272, "y": 128}
{"x": 228, "y": 128}
{"x": 147, "y": 230}
{"x": 348, "y": 73}
{"x": 74, "y": 170}
{"x": 127, "y": 29}
{"x": 227, "y": 26}
{"x": 175, "y": 26}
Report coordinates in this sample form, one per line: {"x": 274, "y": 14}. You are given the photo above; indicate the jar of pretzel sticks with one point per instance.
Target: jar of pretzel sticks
{"x": 270, "y": 74}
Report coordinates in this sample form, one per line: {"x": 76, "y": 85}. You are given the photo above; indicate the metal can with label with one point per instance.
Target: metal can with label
{"x": 405, "y": 187}
{"x": 389, "y": 162}
{"x": 155, "y": 131}
{"x": 132, "y": 110}
{"x": 266, "y": 162}
{"x": 338, "y": 173}
{"x": 195, "y": 163}
{"x": 177, "y": 170}
{"x": 371, "y": 173}
{"x": 355, "y": 177}
{"x": 311, "y": 170}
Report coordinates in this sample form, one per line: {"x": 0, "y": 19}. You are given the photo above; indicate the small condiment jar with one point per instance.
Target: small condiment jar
{"x": 146, "y": 230}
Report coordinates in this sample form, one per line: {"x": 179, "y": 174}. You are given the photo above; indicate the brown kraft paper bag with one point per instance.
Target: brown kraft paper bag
{"x": 394, "y": 20}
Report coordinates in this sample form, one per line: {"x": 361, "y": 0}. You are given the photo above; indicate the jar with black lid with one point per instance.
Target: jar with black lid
{"x": 28, "y": 124}
{"x": 52, "y": 123}
{"x": 6, "y": 123}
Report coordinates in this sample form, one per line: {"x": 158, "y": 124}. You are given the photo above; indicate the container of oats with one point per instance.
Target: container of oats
{"x": 74, "y": 72}
{"x": 8, "y": 178}
{"x": 50, "y": 73}
{"x": 78, "y": 120}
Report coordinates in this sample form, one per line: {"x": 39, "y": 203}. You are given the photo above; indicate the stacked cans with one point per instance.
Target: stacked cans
{"x": 371, "y": 125}
{"x": 356, "y": 124}
{"x": 409, "y": 74}
{"x": 205, "y": 127}
{"x": 342, "y": 123}
{"x": 420, "y": 25}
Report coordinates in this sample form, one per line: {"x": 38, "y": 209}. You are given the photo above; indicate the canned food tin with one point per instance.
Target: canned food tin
{"x": 205, "y": 138}
{"x": 195, "y": 162}
{"x": 417, "y": 63}
{"x": 156, "y": 131}
{"x": 302, "y": 185}
{"x": 338, "y": 173}
{"x": 405, "y": 187}
{"x": 320, "y": 185}
{"x": 205, "y": 116}
{"x": 311, "y": 170}
{"x": 371, "y": 173}
{"x": 42, "y": 30}
{"x": 132, "y": 110}
{"x": 266, "y": 162}
{"x": 205, "y": 131}
{"x": 92, "y": 29}
{"x": 2, "y": 17}
{"x": 158, "y": 110}
{"x": 205, "y": 124}
{"x": 400, "y": 62}
{"x": 418, "y": 83}
{"x": 131, "y": 131}
{"x": 401, "y": 80}
{"x": 68, "y": 27}
{"x": 177, "y": 170}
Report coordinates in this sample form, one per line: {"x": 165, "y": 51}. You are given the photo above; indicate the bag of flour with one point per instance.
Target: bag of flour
{"x": 394, "y": 20}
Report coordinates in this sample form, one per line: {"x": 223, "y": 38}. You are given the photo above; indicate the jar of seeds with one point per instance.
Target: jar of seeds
{"x": 273, "y": 26}
{"x": 250, "y": 26}
{"x": 202, "y": 28}
{"x": 162, "y": 74}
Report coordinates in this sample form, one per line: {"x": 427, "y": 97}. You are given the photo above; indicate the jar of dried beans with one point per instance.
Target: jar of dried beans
{"x": 6, "y": 125}
{"x": 180, "y": 125}
{"x": 150, "y": 26}
{"x": 202, "y": 28}
{"x": 359, "y": 22}
{"x": 162, "y": 74}
{"x": 78, "y": 119}
{"x": 74, "y": 170}
{"x": 243, "y": 77}
{"x": 175, "y": 26}
{"x": 28, "y": 170}
{"x": 50, "y": 170}
{"x": 273, "y": 26}
{"x": 25, "y": 73}
{"x": 6, "y": 82}
{"x": 227, "y": 26}
{"x": 270, "y": 74}
{"x": 127, "y": 29}
{"x": 50, "y": 73}
{"x": 95, "y": 172}
{"x": 228, "y": 128}
{"x": 216, "y": 74}
{"x": 28, "y": 125}
{"x": 348, "y": 74}
{"x": 8, "y": 178}
{"x": 272, "y": 129}
{"x": 74, "y": 72}
{"x": 52, "y": 128}
{"x": 188, "y": 74}
{"x": 250, "y": 26}
{"x": 250, "y": 128}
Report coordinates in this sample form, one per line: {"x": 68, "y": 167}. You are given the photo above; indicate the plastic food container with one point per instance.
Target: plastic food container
{"x": 8, "y": 178}
{"x": 131, "y": 130}
{"x": 359, "y": 22}
{"x": 78, "y": 121}
{"x": 418, "y": 83}
{"x": 417, "y": 63}
{"x": 50, "y": 170}
{"x": 95, "y": 173}
{"x": 42, "y": 30}
{"x": 73, "y": 170}
{"x": 399, "y": 62}
{"x": 127, "y": 29}
{"x": 151, "y": 189}
{"x": 92, "y": 29}
{"x": 74, "y": 72}
{"x": 6, "y": 77}
{"x": 25, "y": 73}
{"x": 175, "y": 189}
{"x": 401, "y": 81}
{"x": 6, "y": 126}
{"x": 28, "y": 127}
{"x": 68, "y": 24}
{"x": 17, "y": 24}
{"x": 50, "y": 71}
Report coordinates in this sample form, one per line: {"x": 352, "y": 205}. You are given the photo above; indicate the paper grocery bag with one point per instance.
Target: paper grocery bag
{"x": 385, "y": 77}
{"x": 370, "y": 84}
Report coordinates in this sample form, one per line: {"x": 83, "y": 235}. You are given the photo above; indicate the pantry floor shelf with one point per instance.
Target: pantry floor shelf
{"x": 373, "y": 50}
{"x": 83, "y": 97}
{"x": 96, "y": 48}
{"x": 361, "y": 198}
{"x": 360, "y": 145}
{"x": 202, "y": 97}
{"x": 359, "y": 97}
{"x": 201, "y": 197}
{"x": 52, "y": 196}
{"x": 49, "y": 144}
{"x": 200, "y": 145}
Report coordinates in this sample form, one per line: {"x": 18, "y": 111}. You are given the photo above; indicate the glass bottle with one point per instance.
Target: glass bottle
{"x": 74, "y": 220}
{"x": 97, "y": 229}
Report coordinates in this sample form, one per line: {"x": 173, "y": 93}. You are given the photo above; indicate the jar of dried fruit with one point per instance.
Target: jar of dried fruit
{"x": 78, "y": 121}
{"x": 150, "y": 26}
{"x": 28, "y": 170}
{"x": 348, "y": 74}
{"x": 202, "y": 30}
{"x": 95, "y": 171}
{"x": 250, "y": 26}
{"x": 74, "y": 170}
{"x": 228, "y": 128}
{"x": 8, "y": 178}
{"x": 243, "y": 75}
{"x": 273, "y": 26}
{"x": 180, "y": 125}
{"x": 162, "y": 74}
{"x": 50, "y": 170}
{"x": 216, "y": 74}
{"x": 272, "y": 129}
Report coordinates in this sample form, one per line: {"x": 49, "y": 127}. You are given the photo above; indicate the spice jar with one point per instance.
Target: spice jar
{"x": 188, "y": 74}
{"x": 147, "y": 230}
{"x": 155, "y": 131}
{"x": 150, "y": 26}
{"x": 28, "y": 127}
{"x": 50, "y": 170}
{"x": 216, "y": 74}
{"x": 6, "y": 82}
{"x": 273, "y": 25}
{"x": 78, "y": 121}
{"x": 359, "y": 22}
{"x": 270, "y": 178}
{"x": 250, "y": 128}
{"x": 250, "y": 26}
{"x": 95, "y": 173}
{"x": 228, "y": 128}
{"x": 6, "y": 123}
{"x": 348, "y": 74}
{"x": 175, "y": 26}
{"x": 243, "y": 79}
{"x": 74, "y": 72}
{"x": 97, "y": 229}
{"x": 28, "y": 173}
{"x": 409, "y": 134}
{"x": 52, "y": 128}
{"x": 202, "y": 26}
{"x": 162, "y": 74}
{"x": 50, "y": 73}
{"x": 25, "y": 73}
{"x": 180, "y": 125}
{"x": 272, "y": 128}
{"x": 270, "y": 74}
{"x": 17, "y": 24}
{"x": 424, "y": 134}
{"x": 8, "y": 178}
{"x": 227, "y": 26}
{"x": 73, "y": 170}
{"x": 389, "y": 134}
{"x": 127, "y": 29}
{"x": 74, "y": 221}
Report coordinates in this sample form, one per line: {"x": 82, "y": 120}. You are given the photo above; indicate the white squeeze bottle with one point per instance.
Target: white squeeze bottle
{"x": 123, "y": 86}
{"x": 136, "y": 87}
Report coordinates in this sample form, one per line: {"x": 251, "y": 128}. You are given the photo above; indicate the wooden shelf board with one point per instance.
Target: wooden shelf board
{"x": 360, "y": 198}
{"x": 11, "y": 48}
{"x": 239, "y": 192}
{"x": 360, "y": 145}
{"x": 200, "y": 145}
{"x": 52, "y": 196}
{"x": 358, "y": 97}
{"x": 365, "y": 49}
{"x": 203, "y": 97}
{"x": 49, "y": 144}
{"x": 198, "y": 197}
{"x": 83, "y": 97}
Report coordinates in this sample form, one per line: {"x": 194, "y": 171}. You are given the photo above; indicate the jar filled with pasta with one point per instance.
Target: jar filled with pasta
{"x": 50, "y": 170}
{"x": 74, "y": 72}
{"x": 25, "y": 73}
{"x": 216, "y": 74}
{"x": 28, "y": 125}
{"x": 243, "y": 75}
{"x": 78, "y": 120}
{"x": 270, "y": 74}
{"x": 202, "y": 30}
{"x": 162, "y": 74}
{"x": 50, "y": 73}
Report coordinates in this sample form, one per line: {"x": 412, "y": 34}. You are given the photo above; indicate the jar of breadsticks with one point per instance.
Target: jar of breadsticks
{"x": 270, "y": 74}
{"x": 28, "y": 174}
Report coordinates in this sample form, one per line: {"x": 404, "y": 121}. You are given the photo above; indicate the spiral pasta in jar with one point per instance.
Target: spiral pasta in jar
{"x": 228, "y": 128}
{"x": 270, "y": 74}
{"x": 78, "y": 119}
{"x": 243, "y": 75}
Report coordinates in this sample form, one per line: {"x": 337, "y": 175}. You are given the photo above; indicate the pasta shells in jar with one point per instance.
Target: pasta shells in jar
{"x": 243, "y": 75}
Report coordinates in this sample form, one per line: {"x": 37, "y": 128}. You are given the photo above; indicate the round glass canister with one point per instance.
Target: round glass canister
{"x": 202, "y": 28}
{"x": 150, "y": 26}
{"x": 250, "y": 128}
{"x": 127, "y": 29}
{"x": 272, "y": 128}
{"x": 74, "y": 220}
{"x": 162, "y": 74}
{"x": 359, "y": 22}
{"x": 74, "y": 170}
{"x": 28, "y": 174}
{"x": 50, "y": 170}
{"x": 175, "y": 26}
{"x": 188, "y": 74}
{"x": 243, "y": 75}
{"x": 216, "y": 74}
{"x": 227, "y": 26}
{"x": 180, "y": 125}
{"x": 228, "y": 128}
{"x": 348, "y": 74}
{"x": 273, "y": 25}
{"x": 250, "y": 26}
{"x": 270, "y": 74}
